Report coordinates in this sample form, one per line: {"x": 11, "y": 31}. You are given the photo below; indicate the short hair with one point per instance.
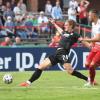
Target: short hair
{"x": 72, "y": 22}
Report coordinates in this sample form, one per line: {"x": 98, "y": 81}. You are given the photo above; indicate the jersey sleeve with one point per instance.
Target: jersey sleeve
{"x": 77, "y": 35}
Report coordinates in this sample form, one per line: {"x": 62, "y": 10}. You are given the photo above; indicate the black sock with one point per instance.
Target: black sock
{"x": 79, "y": 75}
{"x": 35, "y": 75}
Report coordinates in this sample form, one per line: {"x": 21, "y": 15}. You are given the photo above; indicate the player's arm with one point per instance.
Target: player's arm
{"x": 87, "y": 44}
{"x": 94, "y": 39}
{"x": 60, "y": 30}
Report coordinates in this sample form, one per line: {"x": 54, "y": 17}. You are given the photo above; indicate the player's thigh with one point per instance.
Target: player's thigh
{"x": 68, "y": 67}
{"x": 45, "y": 64}
{"x": 89, "y": 58}
{"x": 96, "y": 60}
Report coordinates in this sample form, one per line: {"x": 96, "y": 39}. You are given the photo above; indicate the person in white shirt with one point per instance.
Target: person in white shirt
{"x": 43, "y": 21}
{"x": 17, "y": 11}
{"x": 72, "y": 13}
{"x": 73, "y": 3}
{"x": 48, "y": 7}
{"x": 23, "y": 7}
{"x": 42, "y": 18}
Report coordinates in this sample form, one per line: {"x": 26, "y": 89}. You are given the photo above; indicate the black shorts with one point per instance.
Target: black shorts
{"x": 61, "y": 56}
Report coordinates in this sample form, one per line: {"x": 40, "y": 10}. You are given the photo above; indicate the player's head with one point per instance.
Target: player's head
{"x": 69, "y": 25}
{"x": 93, "y": 14}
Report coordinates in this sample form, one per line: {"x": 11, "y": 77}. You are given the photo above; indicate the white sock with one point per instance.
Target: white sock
{"x": 28, "y": 82}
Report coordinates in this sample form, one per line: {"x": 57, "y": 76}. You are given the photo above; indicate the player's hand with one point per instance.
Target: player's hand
{"x": 80, "y": 39}
{"x": 52, "y": 21}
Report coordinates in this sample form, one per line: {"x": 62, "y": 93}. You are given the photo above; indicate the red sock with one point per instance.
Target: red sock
{"x": 92, "y": 74}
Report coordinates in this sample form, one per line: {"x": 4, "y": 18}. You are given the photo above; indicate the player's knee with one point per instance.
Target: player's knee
{"x": 70, "y": 71}
{"x": 68, "y": 68}
{"x": 41, "y": 67}
{"x": 92, "y": 65}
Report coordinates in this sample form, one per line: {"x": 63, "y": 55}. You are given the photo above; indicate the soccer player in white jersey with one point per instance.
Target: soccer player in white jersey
{"x": 93, "y": 59}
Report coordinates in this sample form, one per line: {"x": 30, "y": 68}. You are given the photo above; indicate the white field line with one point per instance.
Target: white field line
{"x": 61, "y": 87}
{"x": 85, "y": 88}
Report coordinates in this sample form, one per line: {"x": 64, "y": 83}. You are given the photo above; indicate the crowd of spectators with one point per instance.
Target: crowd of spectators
{"x": 77, "y": 11}
{"x": 17, "y": 22}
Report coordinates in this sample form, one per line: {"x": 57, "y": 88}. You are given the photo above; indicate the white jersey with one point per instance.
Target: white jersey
{"x": 72, "y": 14}
{"x": 96, "y": 29}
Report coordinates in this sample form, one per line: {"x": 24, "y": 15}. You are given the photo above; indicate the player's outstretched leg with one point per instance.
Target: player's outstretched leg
{"x": 34, "y": 77}
{"x": 77, "y": 74}
{"x": 46, "y": 63}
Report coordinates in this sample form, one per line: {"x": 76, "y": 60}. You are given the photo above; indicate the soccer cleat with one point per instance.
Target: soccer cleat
{"x": 88, "y": 84}
{"x": 25, "y": 84}
{"x": 95, "y": 83}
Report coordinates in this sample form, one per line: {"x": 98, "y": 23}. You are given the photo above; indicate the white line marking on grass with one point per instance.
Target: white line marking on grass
{"x": 58, "y": 87}
{"x": 85, "y": 88}
{"x": 32, "y": 87}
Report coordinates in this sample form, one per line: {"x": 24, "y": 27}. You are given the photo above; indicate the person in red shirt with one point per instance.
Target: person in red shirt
{"x": 55, "y": 40}
{"x": 6, "y": 42}
{"x": 82, "y": 9}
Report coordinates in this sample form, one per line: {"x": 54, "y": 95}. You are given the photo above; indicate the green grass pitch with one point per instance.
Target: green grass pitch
{"x": 53, "y": 85}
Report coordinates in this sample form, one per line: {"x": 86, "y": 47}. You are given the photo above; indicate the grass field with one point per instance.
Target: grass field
{"x": 53, "y": 85}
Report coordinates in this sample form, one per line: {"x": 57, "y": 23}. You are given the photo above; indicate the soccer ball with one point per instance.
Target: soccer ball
{"x": 7, "y": 78}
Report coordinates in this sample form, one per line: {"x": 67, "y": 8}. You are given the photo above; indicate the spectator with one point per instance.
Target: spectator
{"x": 48, "y": 7}
{"x": 9, "y": 28}
{"x": 56, "y": 11}
{"x": 1, "y": 23}
{"x": 23, "y": 6}
{"x": 10, "y": 25}
{"x": 17, "y": 42}
{"x": 35, "y": 20}
{"x": 8, "y": 12}
{"x": 1, "y": 4}
{"x": 6, "y": 42}
{"x": 55, "y": 40}
{"x": 8, "y": 5}
{"x": 35, "y": 23}
{"x": 73, "y": 3}
{"x": 72, "y": 13}
{"x": 42, "y": 18}
{"x": 82, "y": 9}
{"x": 29, "y": 27}
{"x": 17, "y": 11}
{"x": 20, "y": 28}
{"x": 43, "y": 22}
{"x": 2, "y": 9}
{"x": 13, "y": 4}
